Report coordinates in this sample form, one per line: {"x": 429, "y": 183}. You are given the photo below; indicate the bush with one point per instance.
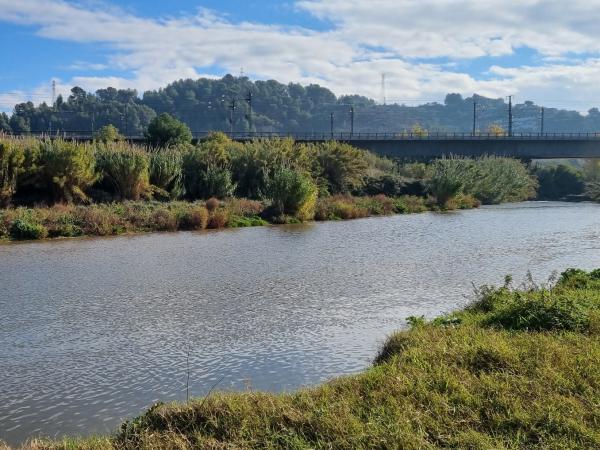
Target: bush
{"x": 166, "y": 173}
{"x": 292, "y": 193}
{"x": 204, "y": 175}
{"x": 108, "y": 133}
{"x": 163, "y": 220}
{"x": 498, "y": 180}
{"x": 194, "y": 218}
{"x": 558, "y": 182}
{"x": 218, "y": 219}
{"x": 68, "y": 169}
{"x": 448, "y": 178}
{"x": 543, "y": 312}
{"x": 342, "y": 167}
{"x": 164, "y": 131}
{"x": 22, "y": 229}
{"x": 11, "y": 165}
{"x": 126, "y": 169}
{"x": 254, "y": 163}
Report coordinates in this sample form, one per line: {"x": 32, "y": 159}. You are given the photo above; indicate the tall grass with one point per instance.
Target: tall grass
{"x": 490, "y": 179}
{"x": 126, "y": 169}
{"x": 68, "y": 169}
{"x": 166, "y": 173}
{"x": 11, "y": 164}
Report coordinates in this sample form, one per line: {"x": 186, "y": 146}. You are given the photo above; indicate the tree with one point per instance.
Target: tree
{"x": 5, "y": 123}
{"x": 108, "y": 133}
{"x": 165, "y": 131}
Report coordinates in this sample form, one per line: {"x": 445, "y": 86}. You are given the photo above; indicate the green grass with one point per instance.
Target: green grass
{"x": 486, "y": 377}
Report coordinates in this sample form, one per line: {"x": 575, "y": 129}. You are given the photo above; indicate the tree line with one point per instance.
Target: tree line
{"x": 240, "y": 104}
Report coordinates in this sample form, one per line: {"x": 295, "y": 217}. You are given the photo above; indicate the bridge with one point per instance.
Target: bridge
{"x": 526, "y": 146}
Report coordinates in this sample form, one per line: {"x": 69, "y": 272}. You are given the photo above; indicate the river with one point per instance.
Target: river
{"x": 93, "y": 331}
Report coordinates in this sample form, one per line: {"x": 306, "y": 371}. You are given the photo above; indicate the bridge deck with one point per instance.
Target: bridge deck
{"x": 425, "y": 145}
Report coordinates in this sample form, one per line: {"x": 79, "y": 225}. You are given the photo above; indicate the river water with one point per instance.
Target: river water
{"x": 92, "y": 331}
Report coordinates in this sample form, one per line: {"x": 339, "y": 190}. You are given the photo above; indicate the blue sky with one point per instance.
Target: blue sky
{"x": 534, "y": 49}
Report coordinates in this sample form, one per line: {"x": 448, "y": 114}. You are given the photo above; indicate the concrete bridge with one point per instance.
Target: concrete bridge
{"x": 525, "y": 146}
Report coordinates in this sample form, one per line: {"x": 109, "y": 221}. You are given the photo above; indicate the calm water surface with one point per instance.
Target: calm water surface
{"x": 93, "y": 331}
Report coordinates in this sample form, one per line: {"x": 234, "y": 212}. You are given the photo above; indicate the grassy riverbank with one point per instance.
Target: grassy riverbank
{"x": 111, "y": 219}
{"x": 517, "y": 368}
{"x": 54, "y": 188}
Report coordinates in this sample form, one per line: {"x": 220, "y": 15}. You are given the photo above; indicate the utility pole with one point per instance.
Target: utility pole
{"x": 351, "y": 121}
{"x": 249, "y": 100}
{"x": 474, "y": 117}
{"x": 332, "y": 116}
{"x": 510, "y": 116}
{"x": 231, "y": 112}
{"x": 542, "y": 122}
{"x": 383, "y": 99}
{"x": 52, "y": 106}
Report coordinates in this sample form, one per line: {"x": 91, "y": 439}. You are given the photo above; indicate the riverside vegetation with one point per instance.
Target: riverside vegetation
{"x": 59, "y": 188}
{"x": 517, "y": 368}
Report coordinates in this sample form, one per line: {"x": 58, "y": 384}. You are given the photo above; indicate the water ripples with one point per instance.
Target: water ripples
{"x": 93, "y": 331}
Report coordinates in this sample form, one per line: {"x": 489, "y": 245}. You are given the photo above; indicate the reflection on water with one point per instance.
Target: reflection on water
{"x": 94, "y": 330}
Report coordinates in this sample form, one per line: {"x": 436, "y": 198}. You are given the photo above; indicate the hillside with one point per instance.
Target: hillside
{"x": 211, "y": 104}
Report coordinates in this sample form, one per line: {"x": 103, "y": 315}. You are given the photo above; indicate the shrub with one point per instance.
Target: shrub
{"x": 497, "y": 180}
{"x": 205, "y": 176}
{"x": 108, "y": 133}
{"x": 163, "y": 220}
{"x": 339, "y": 207}
{"x": 557, "y": 182}
{"x": 543, "y": 312}
{"x": 254, "y": 163}
{"x": 448, "y": 178}
{"x": 194, "y": 218}
{"x": 99, "y": 220}
{"x": 341, "y": 166}
{"x": 22, "y": 229}
{"x": 410, "y": 204}
{"x": 218, "y": 219}
{"x": 292, "y": 193}
{"x": 387, "y": 184}
{"x": 245, "y": 207}
{"x": 212, "y": 204}
{"x": 126, "y": 168}
{"x": 68, "y": 169}
{"x": 164, "y": 130}
{"x": 11, "y": 164}
{"x": 166, "y": 173}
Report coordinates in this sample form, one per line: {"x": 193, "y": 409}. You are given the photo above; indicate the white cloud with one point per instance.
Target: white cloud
{"x": 368, "y": 37}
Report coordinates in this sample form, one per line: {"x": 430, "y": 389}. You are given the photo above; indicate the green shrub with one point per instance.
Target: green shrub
{"x": 11, "y": 165}
{"x": 448, "y": 178}
{"x": 558, "y": 182}
{"x": 497, "y": 180}
{"x": 341, "y": 166}
{"x": 540, "y": 313}
{"x": 22, "y": 229}
{"x": 166, "y": 173}
{"x": 205, "y": 175}
{"x": 108, "y": 133}
{"x": 292, "y": 193}
{"x": 126, "y": 169}
{"x": 68, "y": 169}
{"x": 164, "y": 131}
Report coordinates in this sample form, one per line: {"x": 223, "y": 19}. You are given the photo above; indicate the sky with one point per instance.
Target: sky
{"x": 547, "y": 51}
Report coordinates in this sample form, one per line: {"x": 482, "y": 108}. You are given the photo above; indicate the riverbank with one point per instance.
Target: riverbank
{"x": 517, "y": 368}
{"x": 151, "y": 216}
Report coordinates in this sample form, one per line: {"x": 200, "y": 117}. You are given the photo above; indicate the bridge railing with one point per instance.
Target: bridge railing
{"x": 343, "y": 136}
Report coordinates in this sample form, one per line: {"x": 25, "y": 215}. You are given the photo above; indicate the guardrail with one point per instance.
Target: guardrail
{"x": 346, "y": 136}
